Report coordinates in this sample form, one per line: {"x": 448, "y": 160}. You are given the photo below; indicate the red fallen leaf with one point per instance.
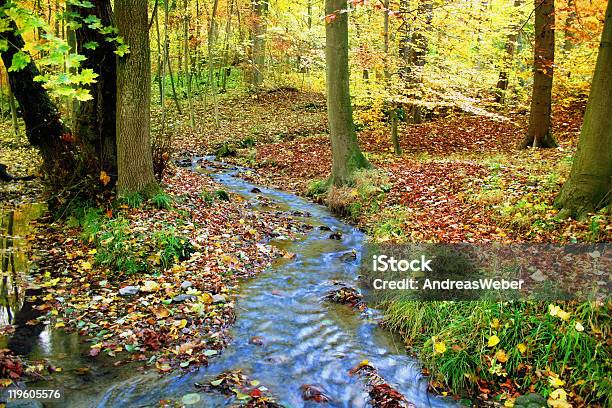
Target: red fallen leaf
{"x": 256, "y": 393}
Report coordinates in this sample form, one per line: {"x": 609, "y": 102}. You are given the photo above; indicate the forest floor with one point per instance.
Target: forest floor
{"x": 460, "y": 179}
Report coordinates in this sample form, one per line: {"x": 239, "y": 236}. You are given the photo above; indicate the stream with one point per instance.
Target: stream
{"x": 305, "y": 339}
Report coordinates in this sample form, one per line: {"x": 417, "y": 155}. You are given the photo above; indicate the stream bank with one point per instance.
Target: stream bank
{"x": 302, "y": 340}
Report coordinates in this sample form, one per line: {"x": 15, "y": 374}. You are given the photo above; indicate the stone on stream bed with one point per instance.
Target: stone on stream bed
{"x": 336, "y": 235}
{"x": 314, "y": 393}
{"x": 349, "y": 256}
{"x": 129, "y": 290}
{"x": 219, "y": 298}
{"x": 186, "y": 285}
{"x": 183, "y": 298}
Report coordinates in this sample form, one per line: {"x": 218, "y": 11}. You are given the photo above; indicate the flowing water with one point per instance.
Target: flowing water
{"x": 305, "y": 340}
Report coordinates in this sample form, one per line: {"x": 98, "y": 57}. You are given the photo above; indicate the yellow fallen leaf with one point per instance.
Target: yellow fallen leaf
{"x": 501, "y": 356}
{"x": 522, "y": 348}
{"x": 495, "y": 324}
{"x": 93, "y": 251}
{"x": 59, "y": 325}
{"x": 439, "y": 347}
{"x": 509, "y": 403}
{"x": 555, "y": 381}
{"x": 86, "y": 266}
{"x": 493, "y": 341}
{"x": 364, "y": 363}
{"x": 553, "y": 310}
{"x": 563, "y": 315}
{"x": 579, "y": 327}
{"x": 5, "y": 382}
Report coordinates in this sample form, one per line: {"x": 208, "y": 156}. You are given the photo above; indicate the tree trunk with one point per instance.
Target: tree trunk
{"x": 347, "y": 156}
{"x": 405, "y": 40}
{"x": 134, "y": 158}
{"x": 503, "y": 81}
{"x": 416, "y": 59}
{"x": 570, "y": 40}
{"x": 589, "y": 186}
{"x": 187, "y": 68}
{"x": 44, "y": 127}
{"x": 539, "y": 133}
{"x": 258, "y": 42}
{"x": 95, "y": 123}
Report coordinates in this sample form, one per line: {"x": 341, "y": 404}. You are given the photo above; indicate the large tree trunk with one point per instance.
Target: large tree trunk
{"x": 95, "y": 125}
{"x": 258, "y": 42}
{"x": 347, "y": 156}
{"x": 134, "y": 158}
{"x": 590, "y": 183}
{"x": 539, "y": 133}
{"x": 44, "y": 127}
{"x": 503, "y": 81}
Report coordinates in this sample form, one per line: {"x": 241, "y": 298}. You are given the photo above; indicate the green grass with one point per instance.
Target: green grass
{"x": 162, "y": 201}
{"x": 580, "y": 358}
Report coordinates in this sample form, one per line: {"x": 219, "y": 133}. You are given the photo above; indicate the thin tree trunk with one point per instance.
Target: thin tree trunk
{"x": 503, "y": 81}
{"x": 212, "y": 30}
{"x": 187, "y": 69}
{"x": 167, "y": 57}
{"x": 404, "y": 41}
{"x": 134, "y": 158}
{"x": 347, "y": 156}
{"x": 589, "y": 186}
{"x": 258, "y": 42}
{"x": 539, "y": 133}
{"x": 570, "y": 40}
{"x": 11, "y": 101}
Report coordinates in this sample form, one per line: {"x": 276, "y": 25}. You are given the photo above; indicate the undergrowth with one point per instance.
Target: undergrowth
{"x": 121, "y": 249}
{"x": 364, "y": 194}
{"x": 463, "y": 343}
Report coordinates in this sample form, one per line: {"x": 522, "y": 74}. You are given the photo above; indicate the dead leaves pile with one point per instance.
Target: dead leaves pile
{"x": 178, "y": 317}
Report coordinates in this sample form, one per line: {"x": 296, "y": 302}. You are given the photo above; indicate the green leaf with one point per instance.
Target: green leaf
{"x": 209, "y": 353}
{"x": 20, "y": 61}
{"x": 122, "y": 50}
{"x": 130, "y": 348}
{"x": 3, "y": 45}
{"x": 91, "y": 45}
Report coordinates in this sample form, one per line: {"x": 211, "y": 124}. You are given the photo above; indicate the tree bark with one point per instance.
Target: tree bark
{"x": 134, "y": 158}
{"x": 347, "y": 156}
{"x": 95, "y": 124}
{"x": 589, "y": 186}
{"x": 44, "y": 127}
{"x": 539, "y": 133}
